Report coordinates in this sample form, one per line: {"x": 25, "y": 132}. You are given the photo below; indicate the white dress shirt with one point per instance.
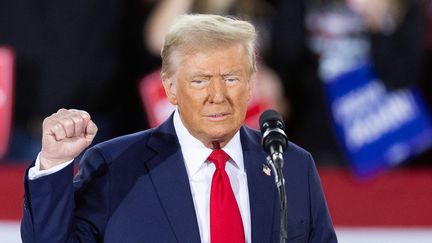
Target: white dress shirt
{"x": 35, "y": 172}
{"x": 200, "y": 173}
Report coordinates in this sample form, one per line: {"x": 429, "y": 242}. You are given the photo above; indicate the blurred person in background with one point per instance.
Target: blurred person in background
{"x": 314, "y": 41}
{"x": 395, "y": 30}
{"x": 74, "y": 54}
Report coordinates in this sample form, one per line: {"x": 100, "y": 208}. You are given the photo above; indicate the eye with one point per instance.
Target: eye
{"x": 198, "y": 83}
{"x": 231, "y": 80}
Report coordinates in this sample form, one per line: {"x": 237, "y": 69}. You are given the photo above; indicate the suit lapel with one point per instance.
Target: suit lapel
{"x": 261, "y": 187}
{"x": 170, "y": 179}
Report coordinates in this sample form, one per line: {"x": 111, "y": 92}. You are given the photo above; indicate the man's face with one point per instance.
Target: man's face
{"x": 211, "y": 88}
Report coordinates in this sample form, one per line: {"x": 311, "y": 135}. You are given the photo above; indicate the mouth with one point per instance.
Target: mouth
{"x": 217, "y": 116}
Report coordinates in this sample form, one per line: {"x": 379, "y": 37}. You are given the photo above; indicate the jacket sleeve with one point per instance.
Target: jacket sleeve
{"x": 321, "y": 228}
{"x": 57, "y": 209}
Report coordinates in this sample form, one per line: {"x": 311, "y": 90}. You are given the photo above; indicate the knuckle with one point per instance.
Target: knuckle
{"x": 81, "y": 113}
{"x": 85, "y": 112}
{"x": 85, "y": 115}
{"x": 57, "y": 127}
{"x": 46, "y": 121}
{"x": 76, "y": 118}
{"x": 94, "y": 126}
{"x": 57, "y": 131}
{"x": 61, "y": 111}
{"x": 67, "y": 122}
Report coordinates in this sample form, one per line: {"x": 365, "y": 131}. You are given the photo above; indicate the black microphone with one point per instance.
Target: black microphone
{"x": 274, "y": 140}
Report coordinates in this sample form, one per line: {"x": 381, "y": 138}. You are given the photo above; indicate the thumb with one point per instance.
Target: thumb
{"x": 91, "y": 131}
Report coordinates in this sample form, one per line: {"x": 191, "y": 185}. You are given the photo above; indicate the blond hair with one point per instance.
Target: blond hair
{"x": 199, "y": 31}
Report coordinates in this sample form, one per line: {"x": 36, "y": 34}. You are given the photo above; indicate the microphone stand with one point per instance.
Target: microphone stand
{"x": 275, "y": 160}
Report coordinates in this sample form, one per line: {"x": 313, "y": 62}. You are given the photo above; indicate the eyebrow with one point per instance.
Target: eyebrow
{"x": 232, "y": 72}
{"x": 200, "y": 75}
{"x": 207, "y": 75}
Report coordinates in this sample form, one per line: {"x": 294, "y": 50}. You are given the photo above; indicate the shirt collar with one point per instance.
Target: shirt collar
{"x": 195, "y": 153}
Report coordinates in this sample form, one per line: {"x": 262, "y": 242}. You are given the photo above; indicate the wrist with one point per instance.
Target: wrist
{"x": 47, "y": 162}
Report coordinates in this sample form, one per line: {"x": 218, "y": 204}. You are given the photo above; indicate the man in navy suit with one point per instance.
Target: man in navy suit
{"x": 166, "y": 184}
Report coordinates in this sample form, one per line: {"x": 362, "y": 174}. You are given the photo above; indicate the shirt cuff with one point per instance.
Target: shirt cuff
{"x": 35, "y": 172}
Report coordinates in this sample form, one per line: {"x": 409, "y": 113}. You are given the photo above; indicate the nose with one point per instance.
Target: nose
{"x": 217, "y": 91}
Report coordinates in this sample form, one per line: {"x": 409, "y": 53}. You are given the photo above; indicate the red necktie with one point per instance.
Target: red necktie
{"x": 226, "y": 224}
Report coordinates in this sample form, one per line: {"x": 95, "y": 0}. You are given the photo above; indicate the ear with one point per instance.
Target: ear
{"x": 170, "y": 90}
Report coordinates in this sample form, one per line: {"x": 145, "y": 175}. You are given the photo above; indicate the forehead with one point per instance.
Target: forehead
{"x": 228, "y": 59}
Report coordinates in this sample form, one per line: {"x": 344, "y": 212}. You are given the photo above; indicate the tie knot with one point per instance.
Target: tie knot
{"x": 219, "y": 158}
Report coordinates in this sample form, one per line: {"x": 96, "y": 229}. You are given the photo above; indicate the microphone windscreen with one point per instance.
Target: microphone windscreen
{"x": 270, "y": 115}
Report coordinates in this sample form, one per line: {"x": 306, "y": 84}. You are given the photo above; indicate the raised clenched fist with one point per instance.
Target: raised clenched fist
{"x": 65, "y": 134}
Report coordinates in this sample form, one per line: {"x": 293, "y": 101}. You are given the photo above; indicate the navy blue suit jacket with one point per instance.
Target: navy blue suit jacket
{"x": 135, "y": 188}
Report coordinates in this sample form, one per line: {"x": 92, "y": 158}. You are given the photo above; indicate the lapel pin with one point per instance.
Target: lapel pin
{"x": 266, "y": 170}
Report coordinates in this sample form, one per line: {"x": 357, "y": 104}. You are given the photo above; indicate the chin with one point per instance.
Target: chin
{"x": 221, "y": 135}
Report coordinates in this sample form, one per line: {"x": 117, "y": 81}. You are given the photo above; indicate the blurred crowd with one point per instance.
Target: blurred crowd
{"x": 91, "y": 55}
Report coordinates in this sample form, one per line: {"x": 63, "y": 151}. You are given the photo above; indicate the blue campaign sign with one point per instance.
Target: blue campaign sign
{"x": 377, "y": 129}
